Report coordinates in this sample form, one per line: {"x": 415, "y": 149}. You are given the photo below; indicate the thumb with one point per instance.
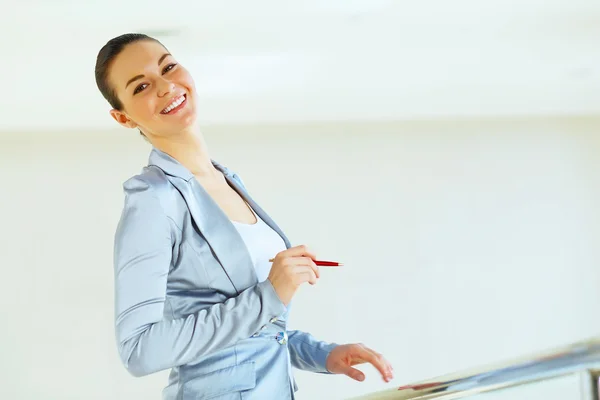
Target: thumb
{"x": 353, "y": 373}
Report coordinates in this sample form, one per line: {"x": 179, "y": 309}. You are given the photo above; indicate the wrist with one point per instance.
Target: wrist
{"x": 282, "y": 295}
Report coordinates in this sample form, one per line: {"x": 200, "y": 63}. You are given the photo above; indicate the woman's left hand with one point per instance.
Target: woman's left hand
{"x": 343, "y": 357}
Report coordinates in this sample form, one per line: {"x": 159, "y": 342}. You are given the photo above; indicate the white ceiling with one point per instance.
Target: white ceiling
{"x": 282, "y": 61}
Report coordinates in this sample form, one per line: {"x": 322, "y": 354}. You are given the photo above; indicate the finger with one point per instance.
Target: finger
{"x": 306, "y": 261}
{"x": 315, "y": 269}
{"x": 298, "y": 251}
{"x": 312, "y": 278}
{"x": 305, "y": 274}
{"x": 378, "y": 361}
{"x": 352, "y": 373}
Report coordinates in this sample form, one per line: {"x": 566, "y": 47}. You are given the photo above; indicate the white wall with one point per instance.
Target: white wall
{"x": 464, "y": 242}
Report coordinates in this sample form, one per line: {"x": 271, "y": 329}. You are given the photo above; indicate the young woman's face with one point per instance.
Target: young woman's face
{"x": 158, "y": 94}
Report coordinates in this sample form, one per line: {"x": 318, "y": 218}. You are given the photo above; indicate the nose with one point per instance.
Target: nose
{"x": 164, "y": 87}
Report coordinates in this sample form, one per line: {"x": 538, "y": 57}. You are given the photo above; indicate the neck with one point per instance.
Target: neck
{"x": 190, "y": 150}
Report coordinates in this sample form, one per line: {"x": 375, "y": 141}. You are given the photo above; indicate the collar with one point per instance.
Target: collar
{"x": 173, "y": 167}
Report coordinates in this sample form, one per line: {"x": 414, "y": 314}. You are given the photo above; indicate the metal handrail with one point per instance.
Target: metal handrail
{"x": 577, "y": 357}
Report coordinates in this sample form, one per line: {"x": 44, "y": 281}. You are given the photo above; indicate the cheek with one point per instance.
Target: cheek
{"x": 144, "y": 107}
{"x": 141, "y": 111}
{"x": 185, "y": 79}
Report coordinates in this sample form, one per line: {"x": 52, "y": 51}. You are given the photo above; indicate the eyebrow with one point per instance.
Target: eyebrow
{"x": 135, "y": 78}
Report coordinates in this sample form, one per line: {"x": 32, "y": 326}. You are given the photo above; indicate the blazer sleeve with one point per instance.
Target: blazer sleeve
{"x": 148, "y": 342}
{"x": 308, "y": 353}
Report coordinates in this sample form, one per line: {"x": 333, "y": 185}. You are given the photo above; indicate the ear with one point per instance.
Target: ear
{"x": 122, "y": 119}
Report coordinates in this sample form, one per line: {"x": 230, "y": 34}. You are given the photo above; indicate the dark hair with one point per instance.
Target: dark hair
{"x": 106, "y": 56}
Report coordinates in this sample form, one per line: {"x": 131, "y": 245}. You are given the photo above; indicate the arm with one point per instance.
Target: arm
{"x": 147, "y": 342}
{"x": 307, "y": 353}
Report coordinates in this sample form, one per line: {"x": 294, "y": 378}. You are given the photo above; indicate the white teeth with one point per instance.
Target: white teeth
{"x": 174, "y": 104}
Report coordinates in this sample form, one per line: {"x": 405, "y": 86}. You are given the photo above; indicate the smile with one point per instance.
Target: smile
{"x": 175, "y": 105}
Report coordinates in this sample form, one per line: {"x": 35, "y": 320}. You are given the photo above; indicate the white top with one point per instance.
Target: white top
{"x": 262, "y": 242}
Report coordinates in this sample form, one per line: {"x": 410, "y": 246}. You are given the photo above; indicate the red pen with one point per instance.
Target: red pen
{"x": 324, "y": 263}
{"x": 328, "y": 263}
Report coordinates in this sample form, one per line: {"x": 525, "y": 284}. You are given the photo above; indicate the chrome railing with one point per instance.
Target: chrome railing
{"x": 581, "y": 359}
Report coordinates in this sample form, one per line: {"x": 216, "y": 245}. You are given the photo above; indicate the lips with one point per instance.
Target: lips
{"x": 175, "y": 104}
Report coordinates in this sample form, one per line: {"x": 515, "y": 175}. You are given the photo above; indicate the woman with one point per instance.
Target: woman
{"x": 195, "y": 290}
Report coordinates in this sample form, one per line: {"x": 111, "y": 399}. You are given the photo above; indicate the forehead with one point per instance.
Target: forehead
{"x": 135, "y": 59}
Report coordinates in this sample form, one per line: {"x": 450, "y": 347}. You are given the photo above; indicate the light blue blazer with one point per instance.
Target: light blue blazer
{"x": 187, "y": 297}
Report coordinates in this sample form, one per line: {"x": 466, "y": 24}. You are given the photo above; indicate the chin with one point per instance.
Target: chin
{"x": 183, "y": 123}
{"x": 189, "y": 121}
{"x": 187, "y": 124}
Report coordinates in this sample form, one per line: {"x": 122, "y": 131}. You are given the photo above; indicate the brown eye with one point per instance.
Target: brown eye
{"x": 139, "y": 88}
{"x": 168, "y": 68}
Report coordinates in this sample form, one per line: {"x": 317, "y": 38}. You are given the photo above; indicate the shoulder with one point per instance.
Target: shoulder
{"x": 144, "y": 221}
{"x": 150, "y": 180}
{"x": 151, "y": 187}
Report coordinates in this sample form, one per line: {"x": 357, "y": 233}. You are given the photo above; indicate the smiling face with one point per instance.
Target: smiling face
{"x": 158, "y": 95}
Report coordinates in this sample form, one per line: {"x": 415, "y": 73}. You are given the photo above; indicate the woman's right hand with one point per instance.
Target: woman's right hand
{"x": 290, "y": 269}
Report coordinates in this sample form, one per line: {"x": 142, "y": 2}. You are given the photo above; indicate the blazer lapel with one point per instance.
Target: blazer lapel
{"x": 235, "y": 182}
{"x": 213, "y": 224}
